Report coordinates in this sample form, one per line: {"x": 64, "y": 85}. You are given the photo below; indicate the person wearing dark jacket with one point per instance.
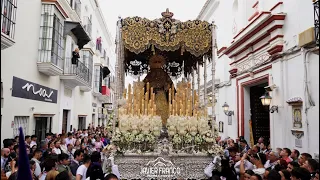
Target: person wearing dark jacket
{"x": 226, "y": 171}
{"x": 95, "y": 169}
{"x": 75, "y": 57}
{"x": 75, "y": 163}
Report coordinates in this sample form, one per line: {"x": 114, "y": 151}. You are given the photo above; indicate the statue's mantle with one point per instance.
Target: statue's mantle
{"x": 191, "y": 166}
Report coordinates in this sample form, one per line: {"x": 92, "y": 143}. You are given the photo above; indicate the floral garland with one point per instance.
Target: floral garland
{"x": 135, "y": 130}
{"x": 186, "y": 131}
{"x": 140, "y": 134}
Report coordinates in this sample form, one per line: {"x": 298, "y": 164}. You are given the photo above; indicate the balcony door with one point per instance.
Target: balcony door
{"x": 82, "y": 122}
{"x": 65, "y": 121}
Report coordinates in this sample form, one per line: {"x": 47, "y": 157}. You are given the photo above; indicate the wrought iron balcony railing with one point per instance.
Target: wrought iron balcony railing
{"x": 8, "y": 17}
{"x": 316, "y": 5}
{"x": 79, "y": 69}
{"x": 87, "y": 25}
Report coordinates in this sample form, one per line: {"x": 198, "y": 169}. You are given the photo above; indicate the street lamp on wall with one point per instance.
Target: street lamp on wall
{"x": 226, "y": 110}
{"x": 266, "y": 101}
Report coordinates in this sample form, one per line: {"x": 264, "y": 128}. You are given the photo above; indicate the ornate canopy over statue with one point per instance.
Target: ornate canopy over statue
{"x": 182, "y": 44}
{"x": 156, "y": 117}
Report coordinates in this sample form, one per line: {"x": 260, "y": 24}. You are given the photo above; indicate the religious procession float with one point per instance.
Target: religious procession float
{"x": 160, "y": 129}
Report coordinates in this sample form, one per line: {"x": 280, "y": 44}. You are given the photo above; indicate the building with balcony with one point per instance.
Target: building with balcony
{"x": 8, "y": 23}
{"x": 266, "y": 71}
{"x": 46, "y": 87}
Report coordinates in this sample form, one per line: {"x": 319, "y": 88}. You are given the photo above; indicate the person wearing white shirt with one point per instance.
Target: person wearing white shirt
{"x": 69, "y": 139}
{"x": 258, "y": 160}
{"x": 5, "y": 152}
{"x": 36, "y": 157}
{"x": 114, "y": 167}
{"x": 247, "y": 165}
{"x": 33, "y": 140}
{"x": 82, "y": 170}
{"x": 273, "y": 160}
{"x": 56, "y": 148}
{"x": 63, "y": 146}
{"x": 212, "y": 166}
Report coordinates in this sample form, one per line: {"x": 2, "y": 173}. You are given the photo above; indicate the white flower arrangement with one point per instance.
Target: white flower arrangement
{"x": 176, "y": 139}
{"x": 187, "y": 138}
{"x": 216, "y": 150}
{"x": 193, "y": 130}
{"x": 150, "y": 138}
{"x": 137, "y": 129}
{"x": 198, "y": 139}
{"x": 139, "y": 138}
{"x": 181, "y": 130}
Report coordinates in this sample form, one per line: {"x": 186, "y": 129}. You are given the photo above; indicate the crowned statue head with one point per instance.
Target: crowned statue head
{"x": 157, "y": 61}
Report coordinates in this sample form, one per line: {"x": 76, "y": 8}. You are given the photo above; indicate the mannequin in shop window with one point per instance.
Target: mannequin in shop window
{"x": 75, "y": 57}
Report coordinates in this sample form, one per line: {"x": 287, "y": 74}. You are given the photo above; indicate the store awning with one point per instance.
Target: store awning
{"x": 78, "y": 31}
{"x": 105, "y": 72}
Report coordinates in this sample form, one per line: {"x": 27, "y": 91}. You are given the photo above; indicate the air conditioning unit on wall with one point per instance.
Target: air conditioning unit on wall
{"x": 307, "y": 38}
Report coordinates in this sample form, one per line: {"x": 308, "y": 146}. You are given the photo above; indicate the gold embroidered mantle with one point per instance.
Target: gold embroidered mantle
{"x": 167, "y": 34}
{"x": 182, "y": 44}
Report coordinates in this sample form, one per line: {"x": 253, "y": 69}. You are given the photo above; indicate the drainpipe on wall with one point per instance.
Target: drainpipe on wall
{"x": 283, "y": 117}
{"x": 309, "y": 102}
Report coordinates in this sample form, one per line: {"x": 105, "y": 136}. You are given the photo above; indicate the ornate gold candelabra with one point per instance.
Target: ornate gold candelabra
{"x": 141, "y": 101}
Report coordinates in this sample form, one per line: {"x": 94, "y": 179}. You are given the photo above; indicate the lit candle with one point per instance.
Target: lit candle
{"x": 129, "y": 98}
{"x": 170, "y": 95}
{"x": 180, "y": 112}
{"x": 173, "y": 106}
{"x": 132, "y": 111}
{"x": 149, "y": 107}
{"x": 187, "y": 112}
{"x": 125, "y": 93}
{"x": 129, "y": 88}
{"x": 142, "y": 108}
{"x": 189, "y": 106}
{"x": 148, "y": 86}
{"x": 184, "y": 102}
{"x": 146, "y": 103}
{"x": 139, "y": 102}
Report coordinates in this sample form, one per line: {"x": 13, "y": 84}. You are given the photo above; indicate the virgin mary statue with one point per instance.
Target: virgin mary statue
{"x": 161, "y": 83}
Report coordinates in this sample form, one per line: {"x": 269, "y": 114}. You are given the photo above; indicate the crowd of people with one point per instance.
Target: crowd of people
{"x": 79, "y": 155}
{"x": 87, "y": 155}
{"x": 261, "y": 162}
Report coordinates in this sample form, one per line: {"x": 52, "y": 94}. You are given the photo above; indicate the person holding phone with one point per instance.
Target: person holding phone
{"x": 258, "y": 160}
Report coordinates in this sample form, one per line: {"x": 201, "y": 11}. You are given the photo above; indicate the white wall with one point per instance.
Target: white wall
{"x": 21, "y": 59}
{"x": 286, "y": 73}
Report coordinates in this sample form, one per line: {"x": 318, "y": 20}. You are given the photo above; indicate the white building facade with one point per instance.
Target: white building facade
{"x": 44, "y": 90}
{"x": 266, "y": 48}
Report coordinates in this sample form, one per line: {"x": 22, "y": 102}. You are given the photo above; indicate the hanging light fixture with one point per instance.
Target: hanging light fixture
{"x": 226, "y": 110}
{"x": 266, "y": 101}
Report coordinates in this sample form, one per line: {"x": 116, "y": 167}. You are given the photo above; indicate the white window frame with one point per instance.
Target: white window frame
{"x": 20, "y": 121}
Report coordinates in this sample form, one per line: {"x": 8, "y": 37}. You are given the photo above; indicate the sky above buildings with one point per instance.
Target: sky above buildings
{"x": 151, "y": 9}
{"x": 183, "y": 10}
